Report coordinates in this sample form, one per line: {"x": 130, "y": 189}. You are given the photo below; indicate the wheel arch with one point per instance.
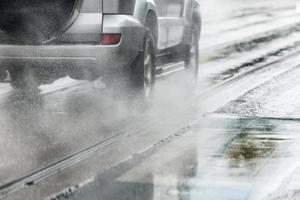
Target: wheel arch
{"x": 196, "y": 15}
{"x": 146, "y": 12}
{"x": 151, "y": 23}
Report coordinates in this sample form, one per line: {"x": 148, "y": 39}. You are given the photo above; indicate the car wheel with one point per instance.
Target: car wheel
{"x": 136, "y": 82}
{"x": 192, "y": 59}
{"x": 143, "y": 71}
{"x": 24, "y": 79}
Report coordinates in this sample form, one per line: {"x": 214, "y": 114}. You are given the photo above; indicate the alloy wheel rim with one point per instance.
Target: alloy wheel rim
{"x": 148, "y": 65}
{"x": 193, "y": 56}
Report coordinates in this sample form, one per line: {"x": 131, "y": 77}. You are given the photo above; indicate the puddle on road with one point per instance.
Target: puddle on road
{"x": 247, "y": 147}
{"x": 202, "y": 170}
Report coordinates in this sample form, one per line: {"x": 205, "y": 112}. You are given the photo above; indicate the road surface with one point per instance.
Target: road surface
{"x": 233, "y": 137}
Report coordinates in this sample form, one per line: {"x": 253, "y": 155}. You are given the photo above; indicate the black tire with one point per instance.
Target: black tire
{"x": 192, "y": 58}
{"x": 24, "y": 79}
{"x": 136, "y": 82}
{"x": 143, "y": 70}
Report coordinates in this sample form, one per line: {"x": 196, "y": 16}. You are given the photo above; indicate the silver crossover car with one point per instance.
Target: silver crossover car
{"x": 126, "y": 42}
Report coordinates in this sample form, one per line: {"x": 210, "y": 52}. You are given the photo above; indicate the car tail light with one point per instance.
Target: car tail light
{"x": 111, "y": 39}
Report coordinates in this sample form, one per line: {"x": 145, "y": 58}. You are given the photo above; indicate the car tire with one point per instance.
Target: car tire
{"x": 142, "y": 72}
{"x": 136, "y": 82}
{"x": 192, "y": 57}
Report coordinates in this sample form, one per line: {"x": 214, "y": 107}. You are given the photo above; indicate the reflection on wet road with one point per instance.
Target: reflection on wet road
{"x": 245, "y": 167}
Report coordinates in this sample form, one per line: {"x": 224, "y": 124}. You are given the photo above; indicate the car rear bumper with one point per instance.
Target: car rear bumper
{"x": 102, "y": 57}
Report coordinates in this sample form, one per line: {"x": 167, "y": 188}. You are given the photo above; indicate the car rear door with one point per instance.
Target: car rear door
{"x": 161, "y": 6}
{"x": 86, "y": 25}
{"x": 175, "y": 13}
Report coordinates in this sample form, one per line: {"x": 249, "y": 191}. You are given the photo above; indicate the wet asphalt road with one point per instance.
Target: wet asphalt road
{"x": 236, "y": 136}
